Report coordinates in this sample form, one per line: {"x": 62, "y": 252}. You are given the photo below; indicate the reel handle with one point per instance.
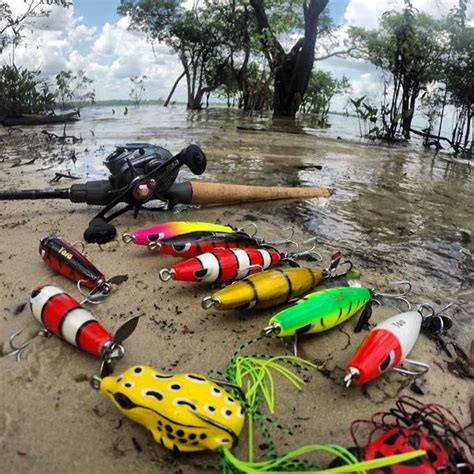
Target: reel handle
{"x": 194, "y": 158}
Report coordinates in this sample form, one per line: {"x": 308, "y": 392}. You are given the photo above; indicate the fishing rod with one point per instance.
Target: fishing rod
{"x": 141, "y": 172}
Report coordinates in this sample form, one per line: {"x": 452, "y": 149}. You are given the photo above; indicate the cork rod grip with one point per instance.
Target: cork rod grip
{"x": 221, "y": 193}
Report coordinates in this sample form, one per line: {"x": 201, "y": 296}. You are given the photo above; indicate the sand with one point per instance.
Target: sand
{"x": 51, "y": 420}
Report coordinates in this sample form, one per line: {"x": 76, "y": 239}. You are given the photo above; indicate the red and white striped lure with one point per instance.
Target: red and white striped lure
{"x": 385, "y": 347}
{"x": 62, "y": 315}
{"x": 223, "y": 265}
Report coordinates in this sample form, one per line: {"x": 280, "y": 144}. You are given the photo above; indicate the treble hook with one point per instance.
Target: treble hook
{"x": 248, "y": 233}
{"x": 288, "y": 240}
{"x": 436, "y": 321}
{"x": 330, "y": 272}
{"x": 403, "y": 294}
{"x": 310, "y": 251}
{"x": 96, "y": 295}
{"x": 18, "y": 351}
{"x": 394, "y": 296}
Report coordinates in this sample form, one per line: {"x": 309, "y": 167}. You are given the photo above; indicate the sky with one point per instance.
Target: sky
{"x": 91, "y": 36}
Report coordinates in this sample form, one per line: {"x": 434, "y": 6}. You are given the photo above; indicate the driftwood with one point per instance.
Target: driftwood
{"x": 61, "y": 138}
{"x": 435, "y": 137}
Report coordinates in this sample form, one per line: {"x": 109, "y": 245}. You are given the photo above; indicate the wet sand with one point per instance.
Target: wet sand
{"x": 51, "y": 419}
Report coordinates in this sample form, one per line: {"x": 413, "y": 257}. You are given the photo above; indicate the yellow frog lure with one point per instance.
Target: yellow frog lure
{"x": 272, "y": 287}
{"x": 183, "y": 412}
{"x": 191, "y": 412}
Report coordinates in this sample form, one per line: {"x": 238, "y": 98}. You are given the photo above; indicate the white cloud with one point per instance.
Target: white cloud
{"x": 365, "y": 79}
{"x": 82, "y": 33}
{"x": 367, "y": 13}
{"x": 109, "y": 54}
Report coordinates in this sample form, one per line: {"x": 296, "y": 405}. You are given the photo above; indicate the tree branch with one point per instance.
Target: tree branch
{"x": 435, "y": 137}
{"x": 342, "y": 52}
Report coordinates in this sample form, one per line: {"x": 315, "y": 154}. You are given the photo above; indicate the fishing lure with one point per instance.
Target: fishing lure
{"x": 73, "y": 264}
{"x": 60, "y": 314}
{"x": 224, "y": 265}
{"x": 272, "y": 287}
{"x": 196, "y": 243}
{"x": 388, "y": 344}
{"x": 183, "y": 412}
{"x": 190, "y": 412}
{"x": 412, "y": 425}
{"x": 323, "y": 310}
{"x": 172, "y": 229}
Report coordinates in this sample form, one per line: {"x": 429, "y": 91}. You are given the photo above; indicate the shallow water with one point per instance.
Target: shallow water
{"x": 400, "y": 211}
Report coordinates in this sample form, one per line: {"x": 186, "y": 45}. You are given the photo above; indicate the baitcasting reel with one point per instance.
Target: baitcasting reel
{"x": 139, "y": 172}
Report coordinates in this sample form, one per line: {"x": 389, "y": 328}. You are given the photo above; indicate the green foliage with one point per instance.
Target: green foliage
{"x": 411, "y": 46}
{"x": 11, "y": 23}
{"x": 460, "y": 68}
{"x": 73, "y": 88}
{"x": 431, "y": 105}
{"x": 22, "y": 92}
{"x": 367, "y": 115}
{"x": 200, "y": 36}
{"x": 321, "y": 89}
{"x": 137, "y": 89}
{"x": 156, "y": 18}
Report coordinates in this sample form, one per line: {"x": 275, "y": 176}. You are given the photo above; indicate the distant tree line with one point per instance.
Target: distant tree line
{"x": 259, "y": 55}
{"x": 427, "y": 63}
{"x": 240, "y": 50}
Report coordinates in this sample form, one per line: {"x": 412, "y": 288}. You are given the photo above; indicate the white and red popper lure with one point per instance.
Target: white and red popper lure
{"x": 222, "y": 265}
{"x": 388, "y": 344}
{"x": 60, "y": 314}
{"x": 229, "y": 264}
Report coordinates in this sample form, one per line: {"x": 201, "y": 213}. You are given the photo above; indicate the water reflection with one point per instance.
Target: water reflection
{"x": 402, "y": 211}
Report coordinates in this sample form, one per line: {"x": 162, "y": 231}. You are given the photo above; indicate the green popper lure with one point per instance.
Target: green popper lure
{"x": 323, "y": 310}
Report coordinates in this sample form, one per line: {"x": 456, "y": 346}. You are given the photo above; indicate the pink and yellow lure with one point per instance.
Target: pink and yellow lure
{"x": 172, "y": 229}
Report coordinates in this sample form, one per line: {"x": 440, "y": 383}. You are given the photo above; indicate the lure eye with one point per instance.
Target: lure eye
{"x": 180, "y": 248}
{"x": 155, "y": 237}
{"x": 387, "y": 362}
{"x": 124, "y": 401}
{"x": 199, "y": 274}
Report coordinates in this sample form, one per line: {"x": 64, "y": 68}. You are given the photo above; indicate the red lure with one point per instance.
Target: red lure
{"x": 197, "y": 243}
{"x": 403, "y": 440}
{"x": 62, "y": 315}
{"x": 70, "y": 262}
{"x": 223, "y": 265}
{"x": 412, "y": 425}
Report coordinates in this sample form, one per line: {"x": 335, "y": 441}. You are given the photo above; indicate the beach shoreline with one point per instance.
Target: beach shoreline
{"x": 52, "y": 420}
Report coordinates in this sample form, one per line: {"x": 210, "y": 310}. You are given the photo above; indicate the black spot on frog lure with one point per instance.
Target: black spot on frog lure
{"x": 183, "y": 412}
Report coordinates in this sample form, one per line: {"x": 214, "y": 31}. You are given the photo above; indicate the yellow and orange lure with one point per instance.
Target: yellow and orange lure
{"x": 265, "y": 289}
{"x": 183, "y": 412}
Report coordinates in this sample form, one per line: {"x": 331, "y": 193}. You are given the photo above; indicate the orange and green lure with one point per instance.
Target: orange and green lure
{"x": 320, "y": 311}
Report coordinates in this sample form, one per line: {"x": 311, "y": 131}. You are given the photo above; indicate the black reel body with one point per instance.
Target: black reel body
{"x": 143, "y": 157}
{"x": 140, "y": 172}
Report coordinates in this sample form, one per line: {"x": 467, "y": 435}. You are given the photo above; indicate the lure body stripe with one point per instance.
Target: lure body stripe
{"x": 222, "y": 265}
{"x": 385, "y": 346}
{"x": 172, "y": 229}
{"x": 70, "y": 262}
{"x": 267, "y": 289}
{"x": 243, "y": 264}
{"x": 62, "y": 315}
{"x": 321, "y": 310}
{"x": 183, "y": 412}
{"x": 196, "y": 243}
